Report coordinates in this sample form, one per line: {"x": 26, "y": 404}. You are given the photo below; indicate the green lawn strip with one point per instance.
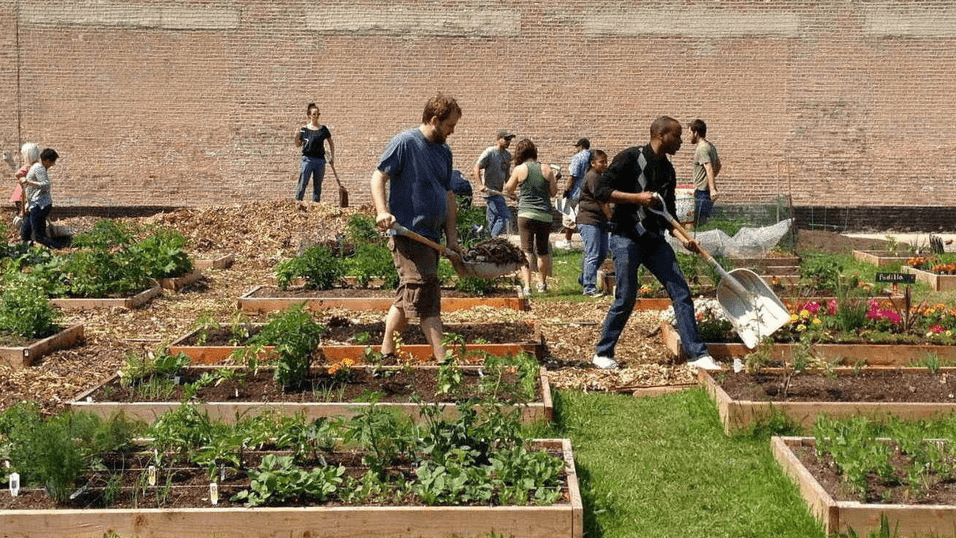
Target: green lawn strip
{"x": 662, "y": 467}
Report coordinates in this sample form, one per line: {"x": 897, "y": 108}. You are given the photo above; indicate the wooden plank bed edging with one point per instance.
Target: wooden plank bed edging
{"x": 565, "y": 520}
{"x": 221, "y": 262}
{"x": 739, "y": 414}
{"x": 134, "y": 301}
{"x": 228, "y": 411}
{"x": 871, "y": 354}
{"x": 261, "y": 305}
{"x": 879, "y": 258}
{"x": 23, "y": 356}
{"x": 862, "y": 518}
{"x": 181, "y": 282}
{"x": 934, "y": 281}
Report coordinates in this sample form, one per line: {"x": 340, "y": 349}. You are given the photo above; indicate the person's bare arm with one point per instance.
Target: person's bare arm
{"x": 517, "y": 176}
{"x": 548, "y": 174}
{"x": 297, "y": 138}
{"x": 383, "y": 217}
{"x": 711, "y": 180}
{"x": 479, "y": 178}
{"x": 451, "y": 222}
{"x": 331, "y": 158}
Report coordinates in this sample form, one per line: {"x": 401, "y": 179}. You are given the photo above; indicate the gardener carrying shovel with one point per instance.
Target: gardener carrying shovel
{"x": 637, "y": 238}
{"x": 418, "y": 165}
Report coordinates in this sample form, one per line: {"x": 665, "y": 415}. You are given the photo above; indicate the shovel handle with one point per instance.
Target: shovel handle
{"x": 493, "y": 192}
{"x": 335, "y": 174}
{"x": 403, "y": 231}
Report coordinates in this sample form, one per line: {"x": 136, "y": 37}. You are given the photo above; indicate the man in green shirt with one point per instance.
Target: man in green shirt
{"x": 706, "y": 168}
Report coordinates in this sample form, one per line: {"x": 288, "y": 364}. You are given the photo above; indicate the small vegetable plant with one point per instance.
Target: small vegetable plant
{"x": 317, "y": 265}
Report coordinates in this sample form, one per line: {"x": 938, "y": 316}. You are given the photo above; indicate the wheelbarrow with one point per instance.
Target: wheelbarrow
{"x": 463, "y": 266}
{"x": 747, "y": 301}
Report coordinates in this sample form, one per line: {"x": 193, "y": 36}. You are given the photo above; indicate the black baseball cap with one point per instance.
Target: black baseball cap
{"x": 584, "y": 143}
{"x": 504, "y": 134}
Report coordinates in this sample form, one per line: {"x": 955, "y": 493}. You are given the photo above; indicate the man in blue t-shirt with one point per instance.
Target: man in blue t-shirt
{"x": 417, "y": 166}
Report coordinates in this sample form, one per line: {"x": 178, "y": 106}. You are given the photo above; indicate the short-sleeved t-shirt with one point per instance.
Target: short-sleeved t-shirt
{"x": 496, "y": 163}
{"x": 313, "y": 142}
{"x": 40, "y": 195}
{"x": 420, "y": 178}
{"x": 705, "y": 152}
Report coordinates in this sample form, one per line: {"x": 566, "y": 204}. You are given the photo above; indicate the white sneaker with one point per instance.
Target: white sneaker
{"x": 704, "y": 362}
{"x": 604, "y": 363}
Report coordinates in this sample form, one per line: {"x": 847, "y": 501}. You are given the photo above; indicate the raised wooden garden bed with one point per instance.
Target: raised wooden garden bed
{"x": 23, "y": 356}
{"x": 879, "y": 258}
{"x": 564, "y": 519}
{"x": 736, "y": 414}
{"x": 935, "y": 281}
{"x": 96, "y": 400}
{"x": 119, "y": 302}
{"x": 262, "y": 299}
{"x": 180, "y": 283}
{"x": 219, "y": 262}
{"x": 762, "y": 263}
{"x": 862, "y": 518}
{"x": 210, "y": 352}
{"x": 849, "y": 354}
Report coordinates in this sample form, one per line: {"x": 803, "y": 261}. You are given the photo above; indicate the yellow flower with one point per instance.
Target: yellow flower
{"x": 348, "y": 362}
{"x": 801, "y": 328}
{"x": 794, "y": 318}
{"x": 816, "y": 321}
{"x": 804, "y": 313}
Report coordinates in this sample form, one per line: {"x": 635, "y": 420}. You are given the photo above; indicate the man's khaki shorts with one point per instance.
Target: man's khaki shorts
{"x": 418, "y": 293}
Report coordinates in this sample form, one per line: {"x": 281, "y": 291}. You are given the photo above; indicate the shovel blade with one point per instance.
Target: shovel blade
{"x": 755, "y": 311}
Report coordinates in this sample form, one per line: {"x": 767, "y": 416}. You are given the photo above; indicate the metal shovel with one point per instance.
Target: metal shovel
{"x": 465, "y": 268}
{"x": 752, "y": 307}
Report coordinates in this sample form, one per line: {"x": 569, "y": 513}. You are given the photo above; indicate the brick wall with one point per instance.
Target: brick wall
{"x": 836, "y": 103}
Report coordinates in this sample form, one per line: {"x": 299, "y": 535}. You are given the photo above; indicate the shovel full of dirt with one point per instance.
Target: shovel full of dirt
{"x": 752, "y": 307}
{"x": 478, "y": 262}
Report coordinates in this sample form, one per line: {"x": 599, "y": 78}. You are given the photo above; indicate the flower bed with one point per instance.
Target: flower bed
{"x": 262, "y": 299}
{"x": 828, "y": 398}
{"x": 935, "y": 281}
{"x": 826, "y": 492}
{"x": 339, "y": 390}
{"x": 26, "y": 355}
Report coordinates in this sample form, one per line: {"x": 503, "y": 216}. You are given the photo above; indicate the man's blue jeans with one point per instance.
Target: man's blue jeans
{"x": 315, "y": 168}
{"x": 703, "y": 207}
{"x": 659, "y": 258}
{"x": 595, "y": 252}
{"x": 497, "y": 214}
{"x": 34, "y": 226}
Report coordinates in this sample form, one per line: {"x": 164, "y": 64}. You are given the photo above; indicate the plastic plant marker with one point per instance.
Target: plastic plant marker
{"x": 213, "y": 493}
{"x": 14, "y": 484}
{"x": 151, "y": 470}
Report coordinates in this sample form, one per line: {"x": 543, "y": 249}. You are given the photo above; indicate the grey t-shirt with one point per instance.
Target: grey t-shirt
{"x": 496, "y": 163}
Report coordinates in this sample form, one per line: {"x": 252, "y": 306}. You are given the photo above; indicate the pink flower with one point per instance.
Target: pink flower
{"x": 937, "y": 329}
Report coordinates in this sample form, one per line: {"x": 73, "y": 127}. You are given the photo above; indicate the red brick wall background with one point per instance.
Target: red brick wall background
{"x": 174, "y": 102}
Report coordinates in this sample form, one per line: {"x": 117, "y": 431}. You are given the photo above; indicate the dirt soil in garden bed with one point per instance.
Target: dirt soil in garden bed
{"x": 373, "y": 293}
{"x": 190, "y": 484}
{"x": 867, "y": 386}
{"x": 395, "y": 384}
{"x": 343, "y": 331}
{"x": 824, "y": 470}
{"x": 259, "y": 235}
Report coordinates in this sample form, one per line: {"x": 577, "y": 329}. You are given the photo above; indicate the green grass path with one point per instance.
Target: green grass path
{"x": 662, "y": 467}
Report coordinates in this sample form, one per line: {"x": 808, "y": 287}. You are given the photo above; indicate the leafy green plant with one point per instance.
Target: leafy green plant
{"x": 296, "y": 337}
{"x": 475, "y": 285}
{"x": 317, "y": 265}
{"x": 24, "y": 312}
{"x": 372, "y": 261}
{"x": 102, "y": 273}
{"x": 279, "y": 480}
{"x": 361, "y": 228}
{"x": 105, "y": 234}
{"x": 162, "y": 254}
{"x": 139, "y": 367}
